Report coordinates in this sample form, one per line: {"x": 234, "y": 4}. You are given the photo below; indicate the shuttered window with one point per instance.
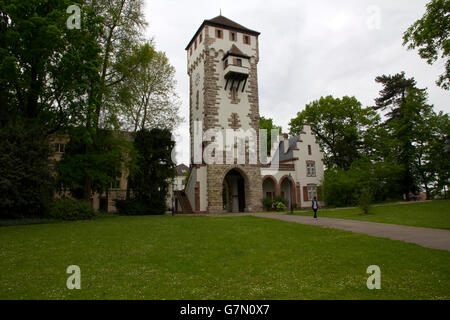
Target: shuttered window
{"x": 312, "y": 192}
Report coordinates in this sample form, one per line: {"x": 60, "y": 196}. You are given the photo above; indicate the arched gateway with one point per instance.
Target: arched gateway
{"x": 234, "y": 191}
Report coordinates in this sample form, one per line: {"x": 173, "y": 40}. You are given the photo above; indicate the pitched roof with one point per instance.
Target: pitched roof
{"x": 289, "y": 154}
{"x": 225, "y": 22}
{"x": 235, "y": 51}
{"x": 221, "y": 21}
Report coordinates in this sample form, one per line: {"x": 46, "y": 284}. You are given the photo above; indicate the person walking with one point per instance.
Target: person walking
{"x": 315, "y": 207}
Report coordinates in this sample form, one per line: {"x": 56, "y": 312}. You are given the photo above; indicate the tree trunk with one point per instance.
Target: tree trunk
{"x": 87, "y": 188}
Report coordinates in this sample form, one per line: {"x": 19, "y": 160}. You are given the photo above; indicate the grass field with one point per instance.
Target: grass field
{"x": 163, "y": 257}
{"x": 432, "y": 214}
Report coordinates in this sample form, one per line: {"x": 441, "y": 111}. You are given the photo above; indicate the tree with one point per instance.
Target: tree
{"x": 150, "y": 182}
{"x": 437, "y": 165}
{"x": 393, "y": 94}
{"x": 123, "y": 21}
{"x": 46, "y": 70}
{"x": 405, "y": 102}
{"x": 148, "y": 99}
{"x": 26, "y": 184}
{"x": 422, "y": 123}
{"x": 430, "y": 35}
{"x": 267, "y": 124}
{"x": 340, "y": 126}
{"x": 44, "y": 66}
{"x": 121, "y": 24}
{"x": 83, "y": 172}
{"x": 348, "y": 187}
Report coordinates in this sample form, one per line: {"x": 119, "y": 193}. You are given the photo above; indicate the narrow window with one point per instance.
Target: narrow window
{"x": 246, "y": 39}
{"x": 239, "y": 62}
{"x": 197, "y": 100}
{"x": 234, "y": 94}
{"x": 232, "y": 36}
{"x": 309, "y": 149}
{"x": 200, "y": 39}
{"x": 219, "y": 33}
{"x": 195, "y": 44}
{"x": 190, "y": 51}
{"x": 59, "y": 147}
{"x": 310, "y": 169}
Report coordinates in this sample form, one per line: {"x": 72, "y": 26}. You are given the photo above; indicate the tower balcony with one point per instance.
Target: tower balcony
{"x": 236, "y": 72}
{"x": 235, "y": 75}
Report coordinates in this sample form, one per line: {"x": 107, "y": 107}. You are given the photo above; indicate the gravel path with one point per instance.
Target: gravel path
{"x": 426, "y": 237}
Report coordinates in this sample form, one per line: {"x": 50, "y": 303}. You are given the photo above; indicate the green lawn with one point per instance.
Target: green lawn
{"x": 432, "y": 214}
{"x": 179, "y": 257}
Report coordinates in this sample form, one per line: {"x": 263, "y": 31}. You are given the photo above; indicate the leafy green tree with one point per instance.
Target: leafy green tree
{"x": 431, "y": 36}
{"x": 348, "y": 187}
{"x": 123, "y": 23}
{"x": 427, "y": 129}
{"x": 26, "y": 184}
{"x": 83, "y": 172}
{"x": 433, "y": 165}
{"x": 121, "y": 30}
{"x": 341, "y": 126}
{"x": 149, "y": 99}
{"x": 155, "y": 168}
{"x": 45, "y": 67}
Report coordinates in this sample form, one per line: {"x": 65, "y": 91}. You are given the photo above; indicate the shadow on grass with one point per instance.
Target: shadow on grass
{"x": 36, "y": 220}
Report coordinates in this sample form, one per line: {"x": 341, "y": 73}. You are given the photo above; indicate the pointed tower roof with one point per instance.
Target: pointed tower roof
{"x": 223, "y": 22}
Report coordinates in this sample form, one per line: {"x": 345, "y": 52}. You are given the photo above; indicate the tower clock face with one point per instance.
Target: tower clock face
{"x": 197, "y": 79}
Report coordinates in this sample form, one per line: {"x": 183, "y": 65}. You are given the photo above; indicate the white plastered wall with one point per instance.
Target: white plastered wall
{"x": 308, "y": 138}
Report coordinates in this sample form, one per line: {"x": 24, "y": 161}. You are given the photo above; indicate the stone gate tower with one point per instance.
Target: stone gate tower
{"x": 222, "y": 60}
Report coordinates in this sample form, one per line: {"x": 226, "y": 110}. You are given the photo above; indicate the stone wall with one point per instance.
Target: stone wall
{"x": 253, "y": 186}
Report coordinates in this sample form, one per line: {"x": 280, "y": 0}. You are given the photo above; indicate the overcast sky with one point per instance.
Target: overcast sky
{"x": 308, "y": 49}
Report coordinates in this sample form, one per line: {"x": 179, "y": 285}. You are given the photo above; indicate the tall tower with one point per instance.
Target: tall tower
{"x": 222, "y": 60}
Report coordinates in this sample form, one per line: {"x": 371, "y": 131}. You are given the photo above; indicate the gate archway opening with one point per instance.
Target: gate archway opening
{"x": 234, "y": 191}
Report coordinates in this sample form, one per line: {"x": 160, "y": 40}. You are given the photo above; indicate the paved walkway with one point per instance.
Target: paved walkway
{"x": 426, "y": 237}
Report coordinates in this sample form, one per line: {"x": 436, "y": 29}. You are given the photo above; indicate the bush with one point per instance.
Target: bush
{"x": 26, "y": 184}
{"x": 71, "y": 209}
{"x": 279, "y": 206}
{"x": 342, "y": 187}
{"x": 136, "y": 207}
{"x": 267, "y": 203}
{"x": 365, "y": 200}
{"x": 280, "y": 199}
